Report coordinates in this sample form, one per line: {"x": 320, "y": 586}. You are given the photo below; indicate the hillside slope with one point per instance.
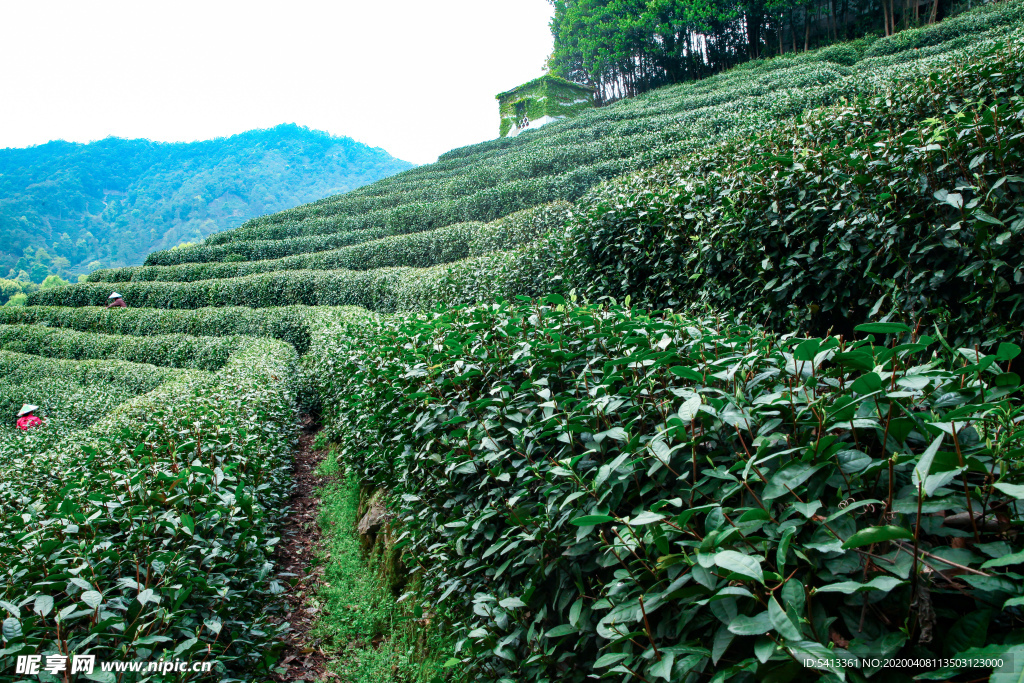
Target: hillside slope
{"x": 717, "y": 384}
{"x": 112, "y": 202}
{"x": 563, "y": 160}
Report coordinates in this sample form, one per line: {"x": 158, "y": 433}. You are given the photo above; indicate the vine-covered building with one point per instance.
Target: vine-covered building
{"x": 541, "y": 101}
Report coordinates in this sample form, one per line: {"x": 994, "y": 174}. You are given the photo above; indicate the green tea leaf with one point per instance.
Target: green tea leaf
{"x": 738, "y": 563}
{"x": 877, "y": 534}
{"x": 591, "y": 520}
{"x": 883, "y": 328}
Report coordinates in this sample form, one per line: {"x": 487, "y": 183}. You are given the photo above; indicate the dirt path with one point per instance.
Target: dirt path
{"x": 300, "y": 538}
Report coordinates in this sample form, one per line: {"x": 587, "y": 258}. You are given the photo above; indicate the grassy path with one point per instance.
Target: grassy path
{"x": 343, "y": 589}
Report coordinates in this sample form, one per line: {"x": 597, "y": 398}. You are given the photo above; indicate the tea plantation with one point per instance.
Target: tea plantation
{"x": 719, "y": 383}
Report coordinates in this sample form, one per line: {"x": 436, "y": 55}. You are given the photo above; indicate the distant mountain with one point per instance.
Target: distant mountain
{"x": 67, "y": 208}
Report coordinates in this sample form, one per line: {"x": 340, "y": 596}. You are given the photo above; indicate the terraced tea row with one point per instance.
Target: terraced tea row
{"x": 71, "y": 395}
{"x": 593, "y": 491}
{"x": 560, "y": 164}
{"x": 434, "y": 247}
{"x": 167, "y": 350}
{"x": 286, "y": 323}
{"x": 149, "y": 533}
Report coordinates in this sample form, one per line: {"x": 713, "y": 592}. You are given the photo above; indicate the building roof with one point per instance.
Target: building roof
{"x": 538, "y": 81}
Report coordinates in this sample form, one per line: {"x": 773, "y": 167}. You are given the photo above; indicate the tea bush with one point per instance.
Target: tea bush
{"x": 287, "y": 323}
{"x": 169, "y": 350}
{"x": 150, "y": 536}
{"x": 373, "y": 289}
{"x": 984, "y": 18}
{"x": 417, "y": 249}
{"x": 612, "y": 494}
{"x": 71, "y": 396}
{"x": 420, "y": 250}
{"x": 62, "y": 388}
{"x": 482, "y": 278}
{"x": 500, "y": 276}
{"x": 255, "y": 250}
{"x": 905, "y": 206}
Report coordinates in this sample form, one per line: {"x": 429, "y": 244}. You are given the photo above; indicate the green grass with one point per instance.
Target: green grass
{"x": 375, "y": 637}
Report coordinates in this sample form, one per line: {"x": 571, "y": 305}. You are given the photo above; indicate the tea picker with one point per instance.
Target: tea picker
{"x": 26, "y": 420}
{"x": 116, "y": 301}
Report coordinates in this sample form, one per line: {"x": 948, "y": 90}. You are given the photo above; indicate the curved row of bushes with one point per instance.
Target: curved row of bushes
{"x": 166, "y": 350}
{"x": 416, "y": 249}
{"x": 71, "y": 396}
{"x": 907, "y": 205}
{"x": 983, "y": 18}
{"x": 608, "y": 493}
{"x": 500, "y": 275}
{"x": 286, "y": 288}
{"x": 287, "y": 323}
{"x": 150, "y": 536}
{"x": 637, "y": 136}
{"x": 622, "y": 130}
{"x": 440, "y": 192}
{"x": 484, "y": 206}
{"x": 419, "y": 250}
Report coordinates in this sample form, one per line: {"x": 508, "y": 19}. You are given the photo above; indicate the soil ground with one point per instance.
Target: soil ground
{"x": 303, "y": 659}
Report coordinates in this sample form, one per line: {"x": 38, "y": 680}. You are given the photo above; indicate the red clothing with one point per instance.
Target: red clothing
{"x": 117, "y": 303}
{"x": 28, "y": 422}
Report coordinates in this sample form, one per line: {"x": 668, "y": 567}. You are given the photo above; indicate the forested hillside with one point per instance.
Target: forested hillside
{"x": 716, "y": 383}
{"x": 66, "y": 208}
{"x": 626, "y": 47}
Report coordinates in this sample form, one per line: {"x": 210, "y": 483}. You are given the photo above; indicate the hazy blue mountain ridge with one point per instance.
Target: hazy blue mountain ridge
{"x": 111, "y": 202}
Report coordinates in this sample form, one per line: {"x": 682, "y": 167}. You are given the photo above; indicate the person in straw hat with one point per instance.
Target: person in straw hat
{"x": 26, "y": 420}
{"x": 116, "y": 301}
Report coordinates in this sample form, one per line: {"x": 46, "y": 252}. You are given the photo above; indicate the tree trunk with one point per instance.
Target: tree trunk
{"x": 885, "y": 16}
{"x": 935, "y": 9}
{"x": 792, "y": 29}
{"x": 753, "y": 22}
{"x": 782, "y": 25}
{"x": 807, "y": 28}
{"x": 817, "y": 24}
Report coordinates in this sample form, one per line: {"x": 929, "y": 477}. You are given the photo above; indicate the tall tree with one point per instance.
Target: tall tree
{"x": 624, "y": 47}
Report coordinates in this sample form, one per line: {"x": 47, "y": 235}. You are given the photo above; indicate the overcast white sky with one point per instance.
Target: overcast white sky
{"x": 416, "y": 77}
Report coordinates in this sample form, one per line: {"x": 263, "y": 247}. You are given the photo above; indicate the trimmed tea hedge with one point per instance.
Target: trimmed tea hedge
{"x": 484, "y": 278}
{"x": 287, "y": 323}
{"x": 905, "y": 206}
{"x": 24, "y": 375}
{"x": 150, "y": 537}
{"x": 616, "y": 495}
{"x": 420, "y": 250}
{"x": 170, "y": 350}
{"x": 967, "y": 25}
{"x": 71, "y": 395}
{"x": 373, "y": 289}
